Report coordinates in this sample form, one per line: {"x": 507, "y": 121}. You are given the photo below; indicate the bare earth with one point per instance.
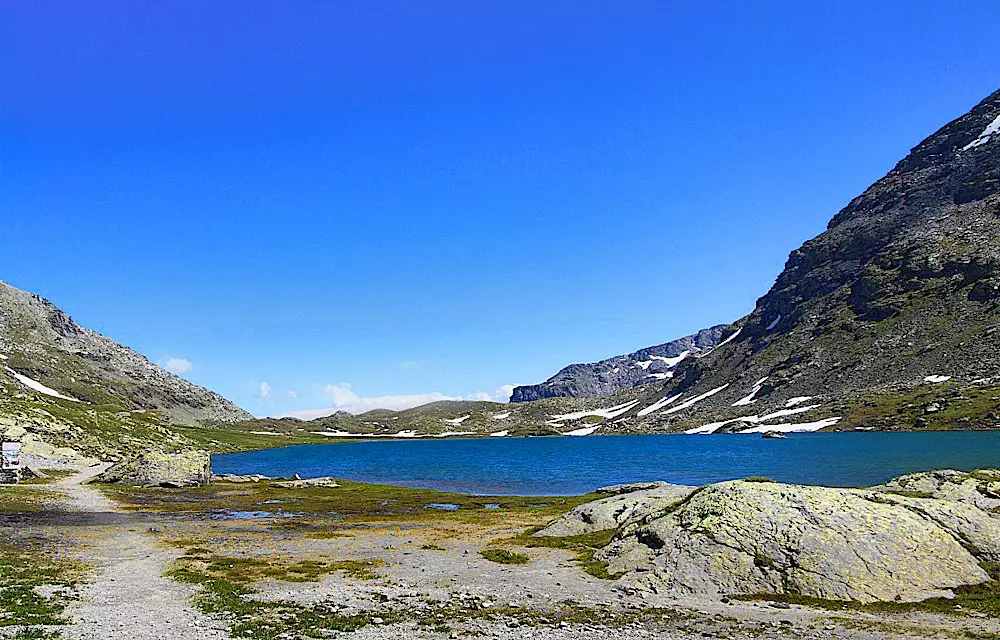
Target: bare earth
{"x": 127, "y": 595}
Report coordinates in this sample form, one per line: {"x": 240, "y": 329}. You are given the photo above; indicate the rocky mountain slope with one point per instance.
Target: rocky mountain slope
{"x": 45, "y": 353}
{"x": 890, "y": 319}
{"x": 619, "y": 373}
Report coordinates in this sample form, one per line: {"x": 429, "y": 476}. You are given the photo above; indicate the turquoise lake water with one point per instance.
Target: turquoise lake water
{"x": 568, "y": 466}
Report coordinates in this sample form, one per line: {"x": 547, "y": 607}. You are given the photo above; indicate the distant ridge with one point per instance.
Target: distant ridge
{"x": 619, "y": 373}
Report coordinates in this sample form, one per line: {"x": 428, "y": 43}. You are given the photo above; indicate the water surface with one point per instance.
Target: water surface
{"x": 569, "y": 466}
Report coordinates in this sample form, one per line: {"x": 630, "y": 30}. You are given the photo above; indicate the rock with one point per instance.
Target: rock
{"x": 14, "y": 433}
{"x": 232, "y": 477}
{"x": 844, "y": 544}
{"x": 311, "y": 482}
{"x": 624, "y": 511}
{"x": 978, "y": 488}
{"x": 155, "y": 468}
{"x": 618, "y": 489}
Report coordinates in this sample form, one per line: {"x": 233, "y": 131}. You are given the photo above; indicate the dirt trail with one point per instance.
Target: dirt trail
{"x": 129, "y": 597}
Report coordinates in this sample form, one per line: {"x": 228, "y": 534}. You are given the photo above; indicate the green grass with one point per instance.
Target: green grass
{"x": 504, "y": 556}
{"x": 21, "y": 570}
{"x": 19, "y": 499}
{"x": 585, "y": 546}
{"x": 249, "y": 571}
{"x": 352, "y": 502}
{"x": 758, "y": 479}
{"x": 232, "y": 600}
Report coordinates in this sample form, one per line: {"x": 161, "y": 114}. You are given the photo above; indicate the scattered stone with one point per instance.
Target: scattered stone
{"x": 312, "y": 482}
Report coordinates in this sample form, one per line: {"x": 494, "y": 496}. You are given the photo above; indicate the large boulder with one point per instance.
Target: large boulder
{"x": 843, "y": 544}
{"x": 980, "y": 488}
{"x": 627, "y": 507}
{"x": 158, "y": 469}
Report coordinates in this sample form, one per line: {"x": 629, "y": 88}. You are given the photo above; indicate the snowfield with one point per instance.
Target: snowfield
{"x": 37, "y": 386}
{"x": 748, "y": 400}
{"x": 695, "y": 400}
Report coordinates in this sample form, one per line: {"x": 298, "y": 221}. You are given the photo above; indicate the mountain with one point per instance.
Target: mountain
{"x": 46, "y": 353}
{"x": 890, "y": 319}
{"x": 619, "y": 373}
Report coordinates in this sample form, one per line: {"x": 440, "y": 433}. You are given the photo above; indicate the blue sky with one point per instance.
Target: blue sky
{"x": 369, "y": 203}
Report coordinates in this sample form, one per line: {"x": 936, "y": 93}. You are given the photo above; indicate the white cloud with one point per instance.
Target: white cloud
{"x": 292, "y": 394}
{"x": 502, "y": 394}
{"x": 178, "y": 365}
{"x": 343, "y": 398}
{"x": 505, "y": 392}
{"x": 408, "y": 364}
{"x": 265, "y": 391}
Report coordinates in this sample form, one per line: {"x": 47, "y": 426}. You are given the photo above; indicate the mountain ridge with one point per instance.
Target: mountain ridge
{"x": 43, "y": 346}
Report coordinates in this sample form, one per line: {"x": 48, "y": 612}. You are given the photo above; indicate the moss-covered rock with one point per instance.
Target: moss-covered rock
{"x": 745, "y": 538}
{"x": 155, "y": 468}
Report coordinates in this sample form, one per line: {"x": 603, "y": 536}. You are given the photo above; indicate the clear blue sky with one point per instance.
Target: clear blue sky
{"x": 445, "y": 197}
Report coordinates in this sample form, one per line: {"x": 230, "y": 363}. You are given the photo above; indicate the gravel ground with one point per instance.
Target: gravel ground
{"x": 129, "y": 597}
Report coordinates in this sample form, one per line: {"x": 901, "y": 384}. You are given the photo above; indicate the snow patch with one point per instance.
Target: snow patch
{"x": 447, "y": 434}
{"x": 707, "y": 429}
{"x": 37, "y": 386}
{"x": 662, "y": 376}
{"x": 729, "y": 339}
{"x": 794, "y": 428}
{"x": 748, "y": 400}
{"x": 659, "y": 404}
{"x": 774, "y": 323}
{"x": 937, "y": 379}
{"x": 985, "y": 136}
{"x": 501, "y": 416}
{"x": 500, "y": 434}
{"x": 458, "y": 421}
{"x": 585, "y": 431}
{"x": 672, "y": 361}
{"x": 608, "y": 413}
{"x": 695, "y": 400}
{"x": 797, "y": 400}
{"x": 266, "y": 433}
{"x": 3, "y": 357}
{"x": 643, "y": 364}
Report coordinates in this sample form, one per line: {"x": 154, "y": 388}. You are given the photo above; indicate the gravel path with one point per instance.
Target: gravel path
{"x": 129, "y": 597}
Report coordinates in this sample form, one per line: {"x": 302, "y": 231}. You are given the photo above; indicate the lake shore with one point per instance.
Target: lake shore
{"x": 257, "y": 560}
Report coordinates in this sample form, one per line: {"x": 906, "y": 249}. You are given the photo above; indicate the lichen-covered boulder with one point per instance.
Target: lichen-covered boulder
{"x": 980, "y": 487}
{"x": 770, "y": 538}
{"x": 158, "y": 469}
{"x": 622, "y": 510}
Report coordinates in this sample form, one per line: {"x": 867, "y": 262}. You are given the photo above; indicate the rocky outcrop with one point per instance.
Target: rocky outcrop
{"x": 902, "y": 290}
{"x": 619, "y": 373}
{"x": 747, "y": 538}
{"x": 157, "y": 469}
{"x": 624, "y": 510}
{"x": 980, "y": 488}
